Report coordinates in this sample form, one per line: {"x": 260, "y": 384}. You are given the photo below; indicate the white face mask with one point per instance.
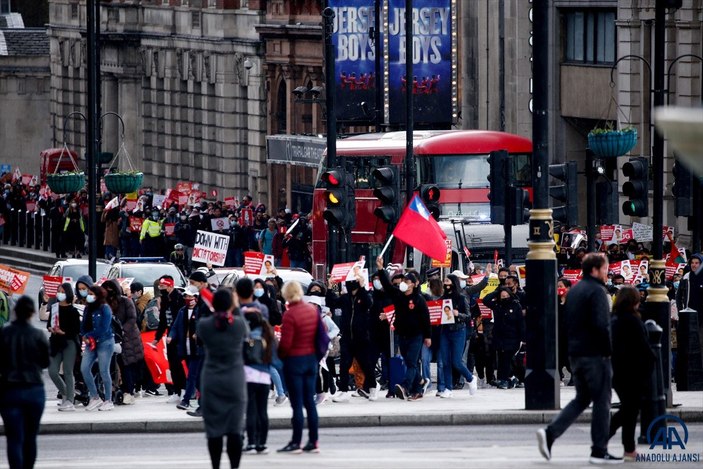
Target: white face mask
{"x": 462, "y": 283}
{"x": 90, "y": 298}
{"x": 377, "y": 284}
{"x": 61, "y": 296}
{"x": 403, "y": 287}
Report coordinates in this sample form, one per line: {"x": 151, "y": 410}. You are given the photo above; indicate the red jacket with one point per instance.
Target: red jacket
{"x": 298, "y": 330}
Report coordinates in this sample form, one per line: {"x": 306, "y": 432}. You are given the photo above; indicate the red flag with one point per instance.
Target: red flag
{"x": 418, "y": 229}
{"x": 495, "y": 257}
{"x": 467, "y": 252}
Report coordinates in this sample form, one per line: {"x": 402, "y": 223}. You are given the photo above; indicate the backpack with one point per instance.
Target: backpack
{"x": 151, "y": 316}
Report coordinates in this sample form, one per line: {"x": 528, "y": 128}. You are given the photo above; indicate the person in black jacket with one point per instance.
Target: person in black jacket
{"x": 412, "y": 328}
{"x": 453, "y": 339}
{"x": 171, "y": 302}
{"x": 508, "y": 331}
{"x": 355, "y": 339}
{"x": 588, "y": 326}
{"x": 633, "y": 360}
{"x": 380, "y": 329}
{"x": 64, "y": 325}
{"x": 24, "y": 353}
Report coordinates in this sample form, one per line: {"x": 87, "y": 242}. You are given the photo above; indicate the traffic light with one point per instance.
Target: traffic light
{"x": 520, "y": 205}
{"x": 681, "y": 189}
{"x": 429, "y": 193}
{"x": 637, "y": 188}
{"x": 497, "y": 185}
{"x": 566, "y": 193}
{"x": 388, "y": 192}
{"x": 607, "y": 203}
{"x": 339, "y": 196}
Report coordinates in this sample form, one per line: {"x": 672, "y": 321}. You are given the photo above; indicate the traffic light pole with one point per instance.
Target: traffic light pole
{"x": 542, "y": 377}
{"x": 590, "y": 201}
{"x": 409, "y": 116}
{"x": 509, "y": 212}
{"x": 657, "y": 305}
{"x": 328, "y": 17}
{"x": 92, "y": 125}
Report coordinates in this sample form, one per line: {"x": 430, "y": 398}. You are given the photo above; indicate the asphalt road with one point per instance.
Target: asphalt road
{"x": 508, "y": 446}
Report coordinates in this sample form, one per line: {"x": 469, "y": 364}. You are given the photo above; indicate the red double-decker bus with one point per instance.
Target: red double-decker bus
{"x": 456, "y": 161}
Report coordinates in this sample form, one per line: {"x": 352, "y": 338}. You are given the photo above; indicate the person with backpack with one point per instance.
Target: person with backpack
{"x": 182, "y": 335}
{"x": 132, "y": 347}
{"x": 96, "y": 332}
{"x": 64, "y": 325}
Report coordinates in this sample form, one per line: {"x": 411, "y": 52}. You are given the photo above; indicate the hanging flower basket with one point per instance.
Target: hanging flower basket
{"x": 124, "y": 182}
{"x": 611, "y": 143}
{"x": 66, "y": 183}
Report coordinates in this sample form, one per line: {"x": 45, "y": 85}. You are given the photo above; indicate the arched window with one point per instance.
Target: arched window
{"x": 281, "y": 109}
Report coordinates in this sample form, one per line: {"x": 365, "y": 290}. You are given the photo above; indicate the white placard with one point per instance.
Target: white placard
{"x": 210, "y": 248}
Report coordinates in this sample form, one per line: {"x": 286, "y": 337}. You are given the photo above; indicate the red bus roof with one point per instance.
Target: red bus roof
{"x": 433, "y": 142}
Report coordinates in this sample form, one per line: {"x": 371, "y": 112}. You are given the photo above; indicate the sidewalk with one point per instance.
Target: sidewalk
{"x": 488, "y": 406}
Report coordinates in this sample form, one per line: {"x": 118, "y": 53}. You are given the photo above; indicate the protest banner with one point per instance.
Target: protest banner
{"x": 13, "y": 281}
{"x": 155, "y": 358}
{"x": 610, "y": 234}
{"x": 184, "y": 187}
{"x": 51, "y": 284}
{"x": 26, "y": 179}
{"x": 195, "y": 197}
{"x": 169, "y": 229}
{"x": 486, "y": 312}
{"x": 573, "y": 275}
{"x": 135, "y": 224}
{"x": 493, "y": 283}
{"x": 390, "y": 314}
{"x": 210, "y": 248}
{"x": 131, "y": 201}
{"x": 447, "y": 312}
{"x": 435, "y": 307}
{"x": 158, "y": 200}
{"x": 522, "y": 275}
{"x": 672, "y": 268}
{"x": 246, "y": 217}
{"x": 447, "y": 261}
{"x": 219, "y": 224}
{"x": 258, "y": 264}
{"x": 347, "y": 271}
{"x": 231, "y": 202}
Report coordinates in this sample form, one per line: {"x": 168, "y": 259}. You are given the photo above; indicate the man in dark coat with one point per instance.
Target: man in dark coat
{"x": 590, "y": 349}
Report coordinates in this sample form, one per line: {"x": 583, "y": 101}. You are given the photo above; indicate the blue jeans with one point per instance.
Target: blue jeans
{"x": 297, "y": 264}
{"x": 276, "y": 374}
{"x": 193, "y": 381}
{"x": 21, "y": 408}
{"x": 103, "y": 354}
{"x": 452, "y": 351}
{"x": 410, "y": 349}
{"x": 301, "y": 373}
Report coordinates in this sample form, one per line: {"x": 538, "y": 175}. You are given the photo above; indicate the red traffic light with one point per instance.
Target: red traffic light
{"x": 430, "y": 194}
{"x": 333, "y": 178}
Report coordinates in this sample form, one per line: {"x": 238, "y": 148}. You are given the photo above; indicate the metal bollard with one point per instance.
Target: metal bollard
{"x": 14, "y": 227}
{"x": 689, "y": 366}
{"x": 654, "y": 404}
{"x": 37, "y": 230}
{"x": 30, "y": 229}
{"x": 22, "y": 227}
{"x": 46, "y": 226}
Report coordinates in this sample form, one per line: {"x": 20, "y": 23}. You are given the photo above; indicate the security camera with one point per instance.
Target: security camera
{"x": 300, "y": 91}
{"x": 248, "y": 64}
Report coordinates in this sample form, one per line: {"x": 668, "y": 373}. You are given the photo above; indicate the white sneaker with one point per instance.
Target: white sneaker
{"x": 107, "y": 405}
{"x": 66, "y": 406}
{"x": 127, "y": 399}
{"x": 341, "y": 396}
{"x": 94, "y": 403}
{"x": 173, "y": 399}
{"x": 373, "y": 395}
{"x": 320, "y": 398}
{"x": 280, "y": 400}
{"x": 473, "y": 386}
{"x": 446, "y": 394}
{"x": 272, "y": 394}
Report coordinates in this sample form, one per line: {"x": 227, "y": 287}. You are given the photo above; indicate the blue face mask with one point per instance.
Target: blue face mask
{"x": 258, "y": 292}
{"x": 83, "y": 293}
{"x": 676, "y": 284}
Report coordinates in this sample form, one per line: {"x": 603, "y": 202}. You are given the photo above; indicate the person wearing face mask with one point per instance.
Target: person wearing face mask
{"x": 563, "y": 286}
{"x": 503, "y": 273}
{"x": 64, "y": 325}
{"x": 132, "y": 356}
{"x": 83, "y": 285}
{"x": 355, "y": 342}
{"x": 380, "y": 329}
{"x": 171, "y": 218}
{"x": 182, "y": 336}
{"x": 74, "y": 231}
{"x": 178, "y": 258}
{"x": 185, "y": 231}
{"x": 152, "y": 236}
{"x": 170, "y": 303}
{"x": 412, "y": 328}
{"x": 508, "y": 332}
{"x": 263, "y": 294}
{"x": 96, "y": 331}
{"x": 453, "y": 339}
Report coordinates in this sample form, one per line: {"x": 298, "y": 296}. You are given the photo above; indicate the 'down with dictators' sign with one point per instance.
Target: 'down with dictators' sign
{"x": 355, "y": 64}
{"x": 431, "y": 83}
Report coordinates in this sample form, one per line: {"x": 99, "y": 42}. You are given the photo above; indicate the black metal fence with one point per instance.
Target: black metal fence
{"x": 28, "y": 229}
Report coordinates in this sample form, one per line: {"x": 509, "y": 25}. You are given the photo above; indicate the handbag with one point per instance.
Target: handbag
{"x": 335, "y": 347}
{"x": 254, "y": 351}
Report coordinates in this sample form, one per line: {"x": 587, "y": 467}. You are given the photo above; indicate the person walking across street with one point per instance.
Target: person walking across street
{"x": 24, "y": 353}
{"x": 223, "y": 383}
{"x": 633, "y": 360}
{"x": 588, "y": 325}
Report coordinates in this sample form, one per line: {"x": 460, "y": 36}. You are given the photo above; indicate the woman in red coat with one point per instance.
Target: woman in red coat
{"x": 297, "y": 349}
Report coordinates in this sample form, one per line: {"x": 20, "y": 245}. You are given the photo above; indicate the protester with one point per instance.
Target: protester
{"x": 96, "y": 330}
{"x": 83, "y": 285}
{"x": 508, "y": 331}
{"x": 171, "y": 303}
{"x": 588, "y": 322}
{"x": 563, "y": 287}
{"x": 182, "y": 335}
{"x": 297, "y": 349}
{"x": 24, "y": 353}
{"x": 633, "y": 360}
{"x": 74, "y": 231}
{"x": 223, "y": 382}
{"x": 271, "y": 242}
{"x": 64, "y": 324}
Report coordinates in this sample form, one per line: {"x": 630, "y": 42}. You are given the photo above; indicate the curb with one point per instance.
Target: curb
{"x": 194, "y": 425}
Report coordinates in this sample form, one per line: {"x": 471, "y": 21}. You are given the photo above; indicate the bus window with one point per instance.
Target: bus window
{"x": 362, "y": 170}
{"x": 454, "y": 172}
{"x": 521, "y": 169}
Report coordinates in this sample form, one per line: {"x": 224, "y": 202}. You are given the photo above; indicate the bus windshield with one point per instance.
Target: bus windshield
{"x": 454, "y": 172}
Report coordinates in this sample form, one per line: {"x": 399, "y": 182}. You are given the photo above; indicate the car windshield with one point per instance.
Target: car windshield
{"x": 77, "y": 270}
{"x": 147, "y": 274}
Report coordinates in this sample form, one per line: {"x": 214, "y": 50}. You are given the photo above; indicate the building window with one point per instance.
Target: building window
{"x": 281, "y": 109}
{"x": 589, "y": 36}
{"x": 4, "y": 6}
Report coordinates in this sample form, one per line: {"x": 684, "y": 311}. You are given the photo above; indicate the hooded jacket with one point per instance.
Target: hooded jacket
{"x": 690, "y": 291}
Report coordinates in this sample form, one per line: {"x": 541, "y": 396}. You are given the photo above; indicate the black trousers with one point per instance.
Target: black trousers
{"x": 362, "y": 352}
{"x": 626, "y": 416}
{"x": 178, "y": 375}
{"x": 257, "y": 413}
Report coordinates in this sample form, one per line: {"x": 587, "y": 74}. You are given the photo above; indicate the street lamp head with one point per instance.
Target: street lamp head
{"x": 316, "y": 91}
{"x": 300, "y": 91}
{"x": 248, "y": 64}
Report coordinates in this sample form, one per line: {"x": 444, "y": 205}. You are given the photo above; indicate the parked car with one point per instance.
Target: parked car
{"x": 72, "y": 269}
{"x": 299, "y": 275}
{"x": 146, "y": 272}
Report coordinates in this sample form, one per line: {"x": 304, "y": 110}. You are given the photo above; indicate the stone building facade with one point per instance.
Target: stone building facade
{"x": 186, "y": 78}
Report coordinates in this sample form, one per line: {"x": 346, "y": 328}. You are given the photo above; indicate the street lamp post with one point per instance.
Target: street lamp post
{"x": 92, "y": 144}
{"x": 542, "y": 377}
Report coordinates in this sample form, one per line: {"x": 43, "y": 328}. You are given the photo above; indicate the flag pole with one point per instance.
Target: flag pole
{"x": 388, "y": 243}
